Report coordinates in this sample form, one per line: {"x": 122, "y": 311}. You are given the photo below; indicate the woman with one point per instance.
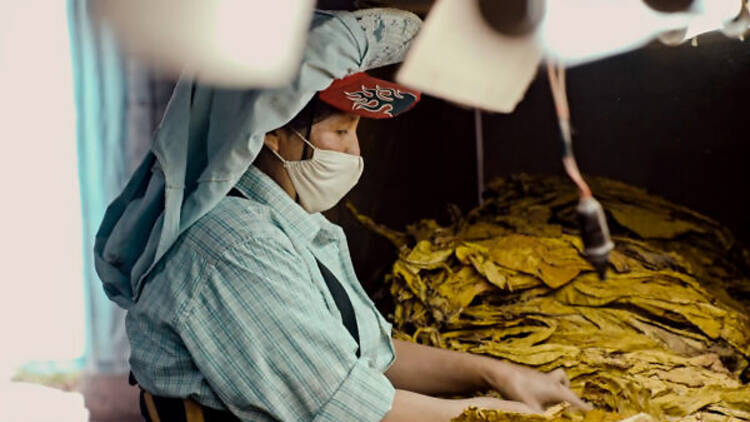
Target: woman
{"x": 242, "y": 299}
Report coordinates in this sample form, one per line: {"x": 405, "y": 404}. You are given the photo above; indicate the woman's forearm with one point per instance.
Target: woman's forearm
{"x": 414, "y": 407}
{"x": 430, "y": 370}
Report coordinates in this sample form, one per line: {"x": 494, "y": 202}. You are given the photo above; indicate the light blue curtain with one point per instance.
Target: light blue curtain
{"x": 101, "y": 105}
{"x": 119, "y": 103}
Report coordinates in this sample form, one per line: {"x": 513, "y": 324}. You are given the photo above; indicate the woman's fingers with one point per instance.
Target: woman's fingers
{"x": 531, "y": 410}
{"x": 570, "y": 397}
{"x": 525, "y": 408}
{"x": 560, "y": 376}
{"x": 532, "y": 403}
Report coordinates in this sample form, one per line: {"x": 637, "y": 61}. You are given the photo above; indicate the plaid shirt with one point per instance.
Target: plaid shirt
{"x": 237, "y": 316}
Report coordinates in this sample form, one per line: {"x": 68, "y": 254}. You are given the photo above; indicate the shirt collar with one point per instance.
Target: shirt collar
{"x": 256, "y": 185}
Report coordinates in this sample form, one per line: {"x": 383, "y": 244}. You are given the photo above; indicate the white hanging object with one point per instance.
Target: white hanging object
{"x": 729, "y": 16}
{"x": 713, "y": 15}
{"x": 459, "y": 57}
{"x": 580, "y": 31}
{"x": 236, "y": 43}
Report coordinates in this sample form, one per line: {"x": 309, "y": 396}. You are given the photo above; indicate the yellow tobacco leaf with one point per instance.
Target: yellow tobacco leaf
{"x": 667, "y": 334}
{"x": 474, "y": 414}
{"x": 619, "y": 261}
{"x": 429, "y": 230}
{"x": 426, "y": 256}
{"x": 476, "y": 255}
{"x": 462, "y": 287}
{"x": 398, "y": 239}
{"x": 482, "y": 230}
{"x": 554, "y": 261}
{"x": 412, "y": 279}
{"x": 649, "y": 224}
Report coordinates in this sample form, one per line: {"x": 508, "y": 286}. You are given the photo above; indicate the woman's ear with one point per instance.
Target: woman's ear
{"x": 272, "y": 140}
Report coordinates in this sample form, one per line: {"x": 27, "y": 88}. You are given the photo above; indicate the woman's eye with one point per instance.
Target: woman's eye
{"x": 342, "y": 132}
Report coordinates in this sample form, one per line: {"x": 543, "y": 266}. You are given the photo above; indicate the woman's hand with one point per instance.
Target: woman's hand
{"x": 409, "y": 406}
{"x": 430, "y": 370}
{"x": 533, "y": 388}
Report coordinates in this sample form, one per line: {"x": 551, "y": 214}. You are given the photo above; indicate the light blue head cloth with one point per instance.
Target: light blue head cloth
{"x": 209, "y": 137}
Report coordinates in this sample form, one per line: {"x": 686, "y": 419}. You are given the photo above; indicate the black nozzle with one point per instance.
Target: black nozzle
{"x": 599, "y": 263}
{"x": 595, "y": 235}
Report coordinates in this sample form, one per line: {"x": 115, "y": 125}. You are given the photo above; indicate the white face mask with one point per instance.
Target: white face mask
{"x": 324, "y": 179}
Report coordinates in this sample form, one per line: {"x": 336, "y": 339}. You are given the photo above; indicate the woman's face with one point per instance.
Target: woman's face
{"x": 337, "y": 132}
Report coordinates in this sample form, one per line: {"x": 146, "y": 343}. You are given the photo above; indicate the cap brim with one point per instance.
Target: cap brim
{"x": 369, "y": 97}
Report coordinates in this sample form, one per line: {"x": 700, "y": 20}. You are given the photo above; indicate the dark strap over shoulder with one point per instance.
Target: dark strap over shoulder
{"x": 337, "y": 291}
{"x": 342, "y": 302}
{"x": 161, "y": 409}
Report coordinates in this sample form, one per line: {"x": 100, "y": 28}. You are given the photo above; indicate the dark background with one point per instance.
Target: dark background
{"x": 673, "y": 120}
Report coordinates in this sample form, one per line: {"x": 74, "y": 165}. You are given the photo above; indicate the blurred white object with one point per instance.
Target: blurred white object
{"x": 713, "y": 15}
{"x": 740, "y": 26}
{"x": 580, "y": 31}
{"x": 459, "y": 57}
{"x": 24, "y": 402}
{"x": 730, "y": 16}
{"x": 237, "y": 43}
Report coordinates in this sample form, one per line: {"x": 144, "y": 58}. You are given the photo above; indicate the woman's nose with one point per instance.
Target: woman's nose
{"x": 354, "y": 145}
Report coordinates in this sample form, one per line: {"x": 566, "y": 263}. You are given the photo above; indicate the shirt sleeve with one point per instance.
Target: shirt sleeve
{"x": 261, "y": 334}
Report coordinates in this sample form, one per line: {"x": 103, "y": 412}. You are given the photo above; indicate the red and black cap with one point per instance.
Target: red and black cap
{"x": 369, "y": 97}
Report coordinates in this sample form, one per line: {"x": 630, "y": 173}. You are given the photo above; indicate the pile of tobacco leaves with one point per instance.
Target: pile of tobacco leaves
{"x": 667, "y": 334}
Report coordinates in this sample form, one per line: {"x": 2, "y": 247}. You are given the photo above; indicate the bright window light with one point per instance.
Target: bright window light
{"x": 41, "y": 307}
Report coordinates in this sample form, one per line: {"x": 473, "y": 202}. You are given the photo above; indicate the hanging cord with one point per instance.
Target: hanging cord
{"x": 592, "y": 220}
{"x": 556, "y": 74}
{"x": 479, "y": 138}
